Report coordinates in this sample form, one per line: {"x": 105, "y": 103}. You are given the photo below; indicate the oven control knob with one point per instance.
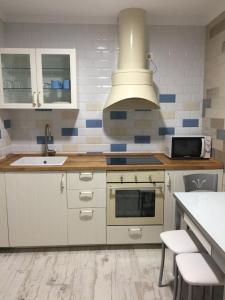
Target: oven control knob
{"x": 121, "y": 179}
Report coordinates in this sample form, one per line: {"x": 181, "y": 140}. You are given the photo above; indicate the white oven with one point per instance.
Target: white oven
{"x": 135, "y": 203}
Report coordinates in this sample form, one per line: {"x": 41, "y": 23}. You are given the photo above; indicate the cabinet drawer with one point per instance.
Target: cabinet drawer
{"x": 135, "y": 176}
{"x": 133, "y": 234}
{"x": 87, "y": 226}
{"x": 84, "y": 180}
{"x": 86, "y": 198}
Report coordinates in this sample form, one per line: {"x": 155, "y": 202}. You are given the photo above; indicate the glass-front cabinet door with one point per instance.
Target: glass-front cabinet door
{"x": 56, "y": 78}
{"x": 38, "y": 78}
{"x": 18, "y": 78}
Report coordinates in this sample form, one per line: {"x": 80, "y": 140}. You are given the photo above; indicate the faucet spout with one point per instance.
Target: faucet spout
{"x": 48, "y": 137}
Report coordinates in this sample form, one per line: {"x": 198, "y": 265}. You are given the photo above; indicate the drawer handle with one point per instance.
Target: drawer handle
{"x": 135, "y": 231}
{"x": 86, "y": 213}
{"x": 86, "y": 176}
{"x": 86, "y": 195}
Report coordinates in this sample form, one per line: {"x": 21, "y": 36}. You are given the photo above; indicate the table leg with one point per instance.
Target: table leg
{"x": 224, "y": 293}
{"x": 177, "y": 217}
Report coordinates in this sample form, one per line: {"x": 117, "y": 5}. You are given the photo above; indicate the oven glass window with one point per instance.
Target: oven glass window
{"x": 135, "y": 203}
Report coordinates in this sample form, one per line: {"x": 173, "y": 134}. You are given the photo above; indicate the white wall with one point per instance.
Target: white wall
{"x": 179, "y": 54}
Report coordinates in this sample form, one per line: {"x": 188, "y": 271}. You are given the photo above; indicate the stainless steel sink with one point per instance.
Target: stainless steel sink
{"x": 40, "y": 161}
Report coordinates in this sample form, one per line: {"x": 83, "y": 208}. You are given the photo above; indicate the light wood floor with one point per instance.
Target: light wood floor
{"x": 84, "y": 274}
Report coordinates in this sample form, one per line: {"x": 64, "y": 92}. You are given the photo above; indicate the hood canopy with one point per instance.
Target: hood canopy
{"x": 132, "y": 80}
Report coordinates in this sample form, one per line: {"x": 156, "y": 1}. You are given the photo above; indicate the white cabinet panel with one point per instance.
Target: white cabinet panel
{"x": 37, "y": 209}
{"x": 87, "y": 226}
{"x": 4, "y": 241}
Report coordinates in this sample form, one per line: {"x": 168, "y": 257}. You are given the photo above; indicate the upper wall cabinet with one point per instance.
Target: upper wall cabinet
{"x": 38, "y": 78}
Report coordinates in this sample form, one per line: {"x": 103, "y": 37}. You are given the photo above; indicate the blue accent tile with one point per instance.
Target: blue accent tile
{"x": 118, "y": 147}
{"x": 167, "y": 98}
{"x": 41, "y": 140}
{"x": 142, "y": 139}
{"x": 69, "y": 131}
{"x": 43, "y": 109}
{"x": 94, "y": 123}
{"x": 190, "y": 122}
{"x": 7, "y": 124}
{"x": 220, "y": 134}
{"x": 118, "y": 115}
{"x": 166, "y": 130}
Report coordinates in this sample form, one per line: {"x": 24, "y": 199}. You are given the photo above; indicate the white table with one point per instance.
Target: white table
{"x": 205, "y": 213}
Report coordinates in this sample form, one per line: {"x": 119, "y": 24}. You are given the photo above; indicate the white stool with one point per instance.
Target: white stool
{"x": 178, "y": 241}
{"x": 197, "y": 269}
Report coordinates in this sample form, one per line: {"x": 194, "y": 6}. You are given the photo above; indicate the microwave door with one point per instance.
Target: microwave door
{"x": 187, "y": 147}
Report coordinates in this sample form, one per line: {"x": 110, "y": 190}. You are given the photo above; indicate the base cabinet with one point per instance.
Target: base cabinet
{"x": 87, "y": 226}
{"x": 37, "y": 209}
{"x": 174, "y": 182}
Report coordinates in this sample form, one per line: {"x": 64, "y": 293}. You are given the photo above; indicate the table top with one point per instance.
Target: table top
{"x": 208, "y": 210}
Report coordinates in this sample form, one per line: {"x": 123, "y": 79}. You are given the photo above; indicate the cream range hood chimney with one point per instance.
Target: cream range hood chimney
{"x": 132, "y": 80}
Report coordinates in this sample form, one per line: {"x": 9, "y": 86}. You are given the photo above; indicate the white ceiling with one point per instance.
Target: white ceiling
{"x": 159, "y": 12}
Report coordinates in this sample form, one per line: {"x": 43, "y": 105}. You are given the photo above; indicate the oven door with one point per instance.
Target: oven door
{"x": 135, "y": 204}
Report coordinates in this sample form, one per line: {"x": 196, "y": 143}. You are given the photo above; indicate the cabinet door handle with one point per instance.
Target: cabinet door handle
{"x": 38, "y": 99}
{"x": 135, "y": 231}
{"x": 34, "y": 102}
{"x": 62, "y": 182}
{"x": 87, "y": 195}
{"x": 169, "y": 182}
{"x": 86, "y": 176}
{"x": 86, "y": 213}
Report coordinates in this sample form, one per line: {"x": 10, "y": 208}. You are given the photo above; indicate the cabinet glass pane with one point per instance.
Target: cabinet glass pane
{"x": 56, "y": 78}
{"x": 16, "y": 76}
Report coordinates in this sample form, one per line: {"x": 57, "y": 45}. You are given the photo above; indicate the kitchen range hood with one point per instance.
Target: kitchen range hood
{"x": 132, "y": 80}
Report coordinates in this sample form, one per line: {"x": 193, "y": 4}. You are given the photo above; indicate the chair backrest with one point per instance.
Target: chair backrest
{"x": 201, "y": 182}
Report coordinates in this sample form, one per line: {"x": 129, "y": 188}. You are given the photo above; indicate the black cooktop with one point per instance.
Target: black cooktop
{"x": 133, "y": 160}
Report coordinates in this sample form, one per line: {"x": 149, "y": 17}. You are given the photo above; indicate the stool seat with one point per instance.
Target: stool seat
{"x": 178, "y": 241}
{"x": 198, "y": 269}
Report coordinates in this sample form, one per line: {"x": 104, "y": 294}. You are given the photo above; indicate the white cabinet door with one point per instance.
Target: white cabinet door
{"x": 56, "y": 77}
{"x": 4, "y": 241}
{"x": 87, "y": 226}
{"x": 18, "y": 84}
{"x": 37, "y": 209}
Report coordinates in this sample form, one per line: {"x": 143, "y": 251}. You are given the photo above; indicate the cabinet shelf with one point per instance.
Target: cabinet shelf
{"x": 8, "y": 89}
{"x": 20, "y": 68}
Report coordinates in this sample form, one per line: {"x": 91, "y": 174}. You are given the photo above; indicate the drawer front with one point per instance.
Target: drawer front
{"x": 83, "y": 180}
{"x": 132, "y": 176}
{"x": 133, "y": 234}
{"x": 87, "y": 226}
{"x": 86, "y": 198}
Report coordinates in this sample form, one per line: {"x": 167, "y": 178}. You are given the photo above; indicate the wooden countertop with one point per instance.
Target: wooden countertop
{"x": 81, "y": 162}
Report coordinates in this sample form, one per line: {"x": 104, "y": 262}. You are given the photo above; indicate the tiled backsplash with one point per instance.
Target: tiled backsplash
{"x": 178, "y": 52}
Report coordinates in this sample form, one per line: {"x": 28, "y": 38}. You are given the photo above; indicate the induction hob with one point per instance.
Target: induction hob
{"x": 133, "y": 160}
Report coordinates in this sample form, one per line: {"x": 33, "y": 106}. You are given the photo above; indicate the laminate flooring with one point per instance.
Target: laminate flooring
{"x": 111, "y": 273}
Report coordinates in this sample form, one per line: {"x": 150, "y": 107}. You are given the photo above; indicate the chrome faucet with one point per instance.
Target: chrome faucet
{"x": 48, "y": 136}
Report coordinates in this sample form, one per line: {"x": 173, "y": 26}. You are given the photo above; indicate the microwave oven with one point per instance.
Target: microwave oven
{"x": 188, "y": 147}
